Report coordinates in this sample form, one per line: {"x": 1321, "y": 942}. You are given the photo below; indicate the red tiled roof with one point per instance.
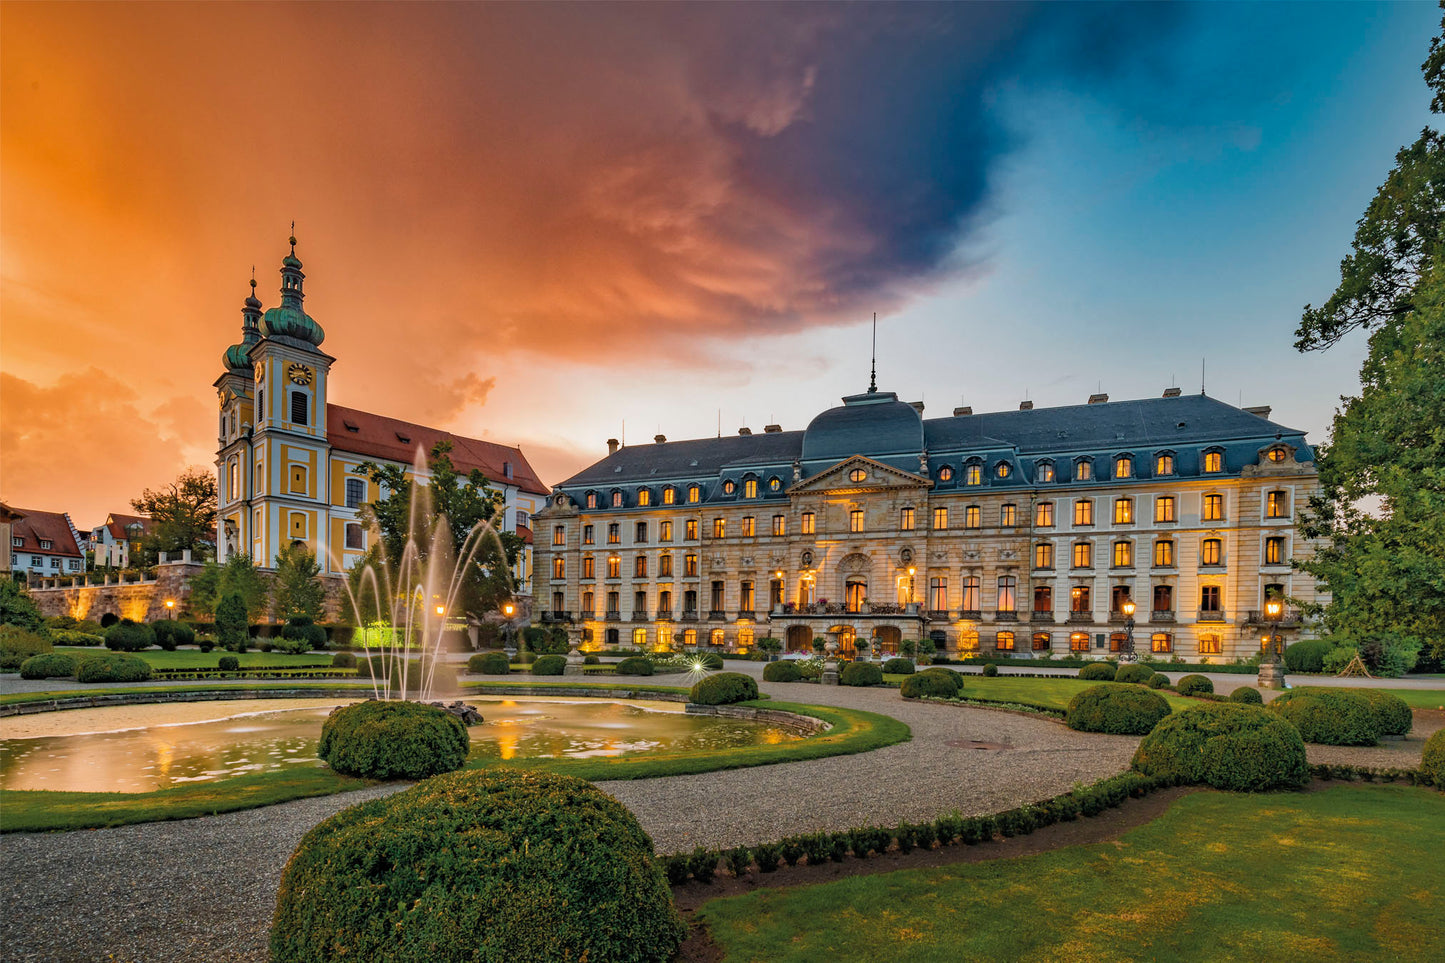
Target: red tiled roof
{"x": 377, "y": 436}
{"x": 119, "y": 523}
{"x": 35, "y": 526}
{"x": 525, "y": 534}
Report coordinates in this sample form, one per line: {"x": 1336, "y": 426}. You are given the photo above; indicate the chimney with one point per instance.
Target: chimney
{"x": 659, "y": 439}
{"x": 960, "y": 412}
{"x": 772, "y": 429}
{"x": 1261, "y": 410}
{"x": 1171, "y": 392}
{"x": 1098, "y": 399}
{"x": 1026, "y": 406}
{"x": 916, "y": 406}
{"x": 745, "y": 431}
{"x": 612, "y": 446}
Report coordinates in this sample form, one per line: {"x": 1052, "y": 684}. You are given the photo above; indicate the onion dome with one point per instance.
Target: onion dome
{"x": 289, "y": 320}
{"x": 237, "y": 356}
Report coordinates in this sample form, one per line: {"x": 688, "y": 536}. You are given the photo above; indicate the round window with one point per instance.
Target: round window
{"x": 945, "y": 473}
{"x": 729, "y": 488}
{"x": 774, "y": 484}
{"x": 1276, "y": 454}
{"x": 1002, "y": 469}
{"x": 857, "y": 475}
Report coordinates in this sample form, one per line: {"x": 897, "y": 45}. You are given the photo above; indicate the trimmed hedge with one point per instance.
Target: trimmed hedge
{"x": 392, "y": 739}
{"x": 489, "y": 663}
{"x": 549, "y": 665}
{"x": 228, "y": 663}
{"x": 482, "y": 866}
{"x": 636, "y": 665}
{"x": 17, "y": 645}
{"x": 935, "y": 683}
{"x": 711, "y": 661}
{"x": 305, "y": 631}
{"x": 128, "y": 636}
{"x": 343, "y": 660}
{"x": 1247, "y": 693}
{"x": 1432, "y": 762}
{"x": 1158, "y": 681}
{"x": 52, "y": 665}
{"x": 781, "y": 672}
{"x": 1231, "y": 746}
{"x": 990, "y": 670}
{"x": 1307, "y": 655}
{"x": 1189, "y": 685}
{"x": 75, "y": 637}
{"x": 112, "y": 667}
{"x": 1099, "y": 672}
{"x": 899, "y": 667}
{"x": 861, "y": 674}
{"x": 1329, "y": 717}
{"x": 722, "y": 689}
{"x": 170, "y": 634}
{"x": 1391, "y": 712}
{"x": 1137, "y": 674}
{"x": 1115, "y": 709}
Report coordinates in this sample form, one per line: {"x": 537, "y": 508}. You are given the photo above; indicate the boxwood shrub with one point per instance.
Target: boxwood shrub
{"x": 781, "y": 672}
{"x": 636, "y": 665}
{"x": 112, "y": 667}
{"x": 392, "y": 739}
{"x": 861, "y": 673}
{"x": 170, "y": 634}
{"x": 1432, "y": 761}
{"x": 1138, "y": 674}
{"x": 228, "y": 663}
{"x": 723, "y": 689}
{"x": 17, "y": 645}
{"x": 1307, "y": 655}
{"x": 549, "y": 665}
{"x": 1247, "y": 693}
{"x": 75, "y": 637}
{"x": 1158, "y": 681}
{"x": 1391, "y": 712}
{"x": 489, "y": 663}
{"x": 1230, "y": 746}
{"x": 128, "y": 636}
{"x": 1127, "y": 711}
{"x": 1329, "y": 717}
{"x": 483, "y": 866}
{"x": 1189, "y": 685}
{"x": 711, "y": 660}
{"x": 1099, "y": 672}
{"x": 343, "y": 660}
{"x": 990, "y": 670}
{"x": 937, "y": 683}
{"x": 898, "y": 667}
{"x": 53, "y": 665}
{"x": 302, "y": 629}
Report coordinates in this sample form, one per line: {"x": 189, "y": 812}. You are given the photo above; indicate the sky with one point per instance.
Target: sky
{"x": 550, "y": 225}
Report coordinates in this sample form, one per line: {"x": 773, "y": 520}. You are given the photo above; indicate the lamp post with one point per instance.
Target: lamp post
{"x": 171, "y": 609}
{"x": 911, "y": 570}
{"x": 1128, "y": 609}
{"x": 1271, "y": 670}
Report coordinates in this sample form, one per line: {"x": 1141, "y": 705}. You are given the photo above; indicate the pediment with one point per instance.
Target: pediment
{"x": 877, "y": 477}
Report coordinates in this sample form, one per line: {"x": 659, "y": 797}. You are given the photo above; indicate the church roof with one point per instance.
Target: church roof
{"x": 377, "y": 436}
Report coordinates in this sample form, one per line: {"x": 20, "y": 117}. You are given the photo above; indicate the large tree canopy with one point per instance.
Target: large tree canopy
{"x": 1380, "y": 514}
{"x": 184, "y": 515}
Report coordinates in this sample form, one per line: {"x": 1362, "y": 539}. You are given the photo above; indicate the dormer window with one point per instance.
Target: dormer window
{"x": 1083, "y": 470}
{"x": 1164, "y": 463}
{"x": 973, "y": 473}
{"x": 750, "y": 488}
{"x": 617, "y": 499}
{"x": 669, "y": 495}
{"x": 1276, "y": 454}
{"x": 1214, "y": 461}
{"x": 1124, "y": 466}
{"x": 591, "y": 499}
{"x": 506, "y": 469}
{"x": 644, "y": 497}
{"x": 694, "y": 494}
{"x": 774, "y": 483}
{"x": 1046, "y": 471}
{"x": 45, "y": 544}
{"x": 729, "y": 487}
{"x": 1002, "y": 469}
{"x": 945, "y": 473}
{"x": 352, "y": 427}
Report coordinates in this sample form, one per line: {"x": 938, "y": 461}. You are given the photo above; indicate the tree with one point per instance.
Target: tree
{"x": 232, "y": 623}
{"x": 463, "y": 501}
{"x": 17, "y": 607}
{"x": 183, "y": 515}
{"x": 297, "y": 584}
{"x": 238, "y": 575}
{"x": 1385, "y": 566}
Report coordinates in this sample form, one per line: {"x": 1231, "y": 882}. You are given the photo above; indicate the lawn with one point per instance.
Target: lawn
{"x": 196, "y": 659}
{"x": 1220, "y": 877}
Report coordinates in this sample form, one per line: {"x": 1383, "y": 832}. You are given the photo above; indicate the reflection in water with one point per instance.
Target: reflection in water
{"x": 161, "y": 756}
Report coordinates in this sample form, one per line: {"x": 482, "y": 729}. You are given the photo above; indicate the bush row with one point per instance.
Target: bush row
{"x": 1343, "y": 717}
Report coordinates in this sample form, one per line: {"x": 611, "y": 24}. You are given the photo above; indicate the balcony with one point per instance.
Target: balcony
{"x": 1165, "y": 615}
{"x": 970, "y": 615}
{"x": 938, "y": 615}
{"x": 556, "y": 615}
{"x": 1211, "y": 616}
{"x": 748, "y": 614}
{"x": 1289, "y": 618}
{"x": 1045, "y": 617}
{"x": 613, "y": 616}
{"x": 689, "y": 615}
{"x": 1117, "y": 618}
{"x": 1083, "y": 618}
{"x": 663, "y": 615}
{"x": 716, "y": 615}
{"x": 1006, "y": 616}
{"x": 638, "y": 616}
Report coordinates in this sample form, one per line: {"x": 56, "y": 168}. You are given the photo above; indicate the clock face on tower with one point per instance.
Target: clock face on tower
{"x": 299, "y": 374}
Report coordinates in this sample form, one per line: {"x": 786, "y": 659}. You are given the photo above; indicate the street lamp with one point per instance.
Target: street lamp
{"x": 441, "y": 610}
{"x": 1274, "y": 610}
{"x": 1128, "y": 609}
{"x": 171, "y": 609}
{"x": 911, "y": 570}
{"x": 508, "y": 609}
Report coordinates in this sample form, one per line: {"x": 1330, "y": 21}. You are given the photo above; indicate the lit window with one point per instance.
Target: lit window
{"x": 1044, "y": 514}
{"x": 1084, "y": 512}
{"x": 591, "y": 499}
{"x": 1007, "y": 593}
{"x": 689, "y": 566}
{"x": 940, "y": 519}
{"x": 970, "y": 594}
{"x": 559, "y": 535}
{"x": 664, "y": 531}
{"x": 1123, "y": 511}
{"x": 664, "y": 566}
{"x": 938, "y": 594}
{"x": 639, "y": 638}
{"x": 729, "y": 487}
{"x": 1164, "y": 553}
{"x": 669, "y": 495}
{"x": 1210, "y": 645}
{"x": 1274, "y": 553}
{"x": 1083, "y": 554}
{"x": 1046, "y": 471}
{"x": 855, "y": 520}
{"x": 1211, "y": 551}
{"x": 1078, "y": 641}
{"x": 1275, "y": 454}
{"x": 1042, "y": 642}
{"x": 1007, "y": 515}
{"x": 945, "y": 473}
{"x": 694, "y": 494}
{"x": 905, "y": 520}
{"x": 972, "y": 517}
{"x": 973, "y": 475}
{"x": 749, "y": 526}
{"x": 1213, "y": 461}
{"x": 716, "y": 637}
{"x": 614, "y": 534}
{"x": 1123, "y": 467}
{"x": 1004, "y": 641}
{"x": 689, "y": 637}
{"x": 774, "y": 483}
{"x": 689, "y": 531}
{"x": 807, "y": 521}
{"x": 1002, "y": 469}
{"x": 1161, "y": 642}
{"x": 1123, "y": 554}
{"x": 644, "y": 497}
{"x": 616, "y": 499}
{"x": 589, "y": 567}
{"x": 1080, "y": 600}
{"x": 588, "y": 533}
{"x": 1044, "y": 598}
{"x": 857, "y": 475}
{"x": 719, "y": 528}
{"x": 745, "y": 638}
{"x": 1164, "y": 508}
{"x": 1276, "y": 505}
{"x": 589, "y": 604}
{"x": 1044, "y": 555}
{"x": 780, "y": 524}
{"x": 559, "y": 568}
{"x": 1213, "y": 508}
{"x": 1083, "y": 470}
{"x": 614, "y": 567}
{"x": 750, "y": 488}
{"x": 639, "y": 567}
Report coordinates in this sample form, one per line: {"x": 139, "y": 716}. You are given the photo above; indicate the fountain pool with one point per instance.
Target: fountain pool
{"x": 147, "y": 747}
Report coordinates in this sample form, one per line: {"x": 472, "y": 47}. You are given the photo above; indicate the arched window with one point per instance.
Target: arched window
{"x": 1213, "y": 461}
{"x": 1046, "y": 471}
{"x": 716, "y": 637}
{"x": 973, "y": 473}
{"x": 639, "y": 638}
{"x": 1042, "y": 642}
{"x": 1161, "y": 642}
{"x": 1002, "y": 469}
{"x": 1003, "y": 641}
{"x": 1083, "y": 470}
{"x": 694, "y": 494}
{"x": 1211, "y": 508}
{"x": 617, "y": 499}
{"x": 750, "y": 488}
{"x": 591, "y": 499}
{"x": 559, "y": 568}
{"x": 1124, "y": 466}
{"x": 644, "y": 497}
{"x": 669, "y": 495}
{"x": 1078, "y": 641}
{"x": 1211, "y": 552}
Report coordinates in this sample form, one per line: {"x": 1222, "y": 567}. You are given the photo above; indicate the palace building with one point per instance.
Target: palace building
{"x": 286, "y": 457}
{"x": 1010, "y": 533}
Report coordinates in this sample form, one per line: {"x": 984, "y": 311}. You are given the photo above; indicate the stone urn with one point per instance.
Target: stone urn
{"x": 830, "y": 662}
{"x": 575, "y": 658}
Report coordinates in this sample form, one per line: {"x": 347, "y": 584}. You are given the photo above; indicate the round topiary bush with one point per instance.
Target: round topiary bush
{"x": 861, "y": 673}
{"x": 934, "y": 683}
{"x": 1125, "y": 711}
{"x": 56, "y": 665}
{"x": 1189, "y": 685}
{"x": 1329, "y": 717}
{"x": 490, "y": 663}
{"x": 1099, "y": 672}
{"x": 990, "y": 670}
{"x": 634, "y": 665}
{"x": 548, "y": 665}
{"x": 722, "y": 689}
{"x": 1432, "y": 762}
{"x": 164, "y": 633}
{"x": 128, "y": 636}
{"x": 482, "y": 866}
{"x": 1247, "y": 693}
{"x": 1136, "y": 674}
{"x": 304, "y": 630}
{"x": 1307, "y": 655}
{"x": 391, "y": 739}
{"x": 228, "y": 663}
{"x": 112, "y": 667}
{"x": 1231, "y": 746}
{"x": 781, "y": 672}
{"x": 1391, "y": 712}
{"x": 1158, "y": 681}
{"x": 898, "y": 667}
{"x": 343, "y": 660}
{"x": 711, "y": 660}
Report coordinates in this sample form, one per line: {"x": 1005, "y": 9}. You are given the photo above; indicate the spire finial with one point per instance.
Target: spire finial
{"x": 293, "y": 238}
{"x": 253, "y": 279}
{"x": 873, "y": 372}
